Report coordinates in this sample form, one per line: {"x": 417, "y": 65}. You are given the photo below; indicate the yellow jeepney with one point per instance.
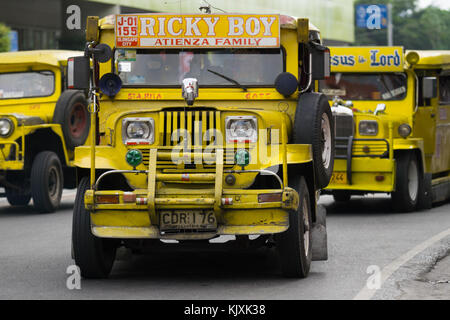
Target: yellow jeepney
{"x": 41, "y": 122}
{"x": 392, "y": 116}
{"x": 207, "y": 126}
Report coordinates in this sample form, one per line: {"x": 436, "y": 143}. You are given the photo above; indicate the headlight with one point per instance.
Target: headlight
{"x": 404, "y": 130}
{"x": 241, "y": 129}
{"x": 138, "y": 130}
{"x": 6, "y": 127}
{"x": 368, "y": 128}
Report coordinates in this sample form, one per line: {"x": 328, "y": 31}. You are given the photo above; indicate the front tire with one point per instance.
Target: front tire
{"x": 46, "y": 182}
{"x": 408, "y": 183}
{"x": 295, "y": 245}
{"x": 95, "y": 256}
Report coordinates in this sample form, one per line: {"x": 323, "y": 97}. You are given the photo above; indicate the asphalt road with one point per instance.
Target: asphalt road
{"x": 35, "y": 254}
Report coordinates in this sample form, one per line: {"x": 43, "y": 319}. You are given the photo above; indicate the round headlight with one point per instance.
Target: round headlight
{"x": 6, "y": 127}
{"x": 404, "y": 130}
{"x": 138, "y": 130}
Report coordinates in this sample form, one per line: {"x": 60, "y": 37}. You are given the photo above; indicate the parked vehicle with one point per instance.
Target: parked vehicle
{"x": 392, "y": 113}
{"x": 41, "y": 122}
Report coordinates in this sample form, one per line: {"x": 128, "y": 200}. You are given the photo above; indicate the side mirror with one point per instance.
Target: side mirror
{"x": 429, "y": 87}
{"x": 320, "y": 56}
{"x": 286, "y": 83}
{"x": 78, "y": 72}
{"x": 102, "y": 52}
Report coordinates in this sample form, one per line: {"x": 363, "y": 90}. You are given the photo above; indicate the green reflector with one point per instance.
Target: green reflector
{"x": 242, "y": 157}
{"x": 134, "y": 157}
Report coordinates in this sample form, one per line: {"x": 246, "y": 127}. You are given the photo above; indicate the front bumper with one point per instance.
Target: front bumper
{"x": 237, "y": 211}
{"x": 367, "y": 175}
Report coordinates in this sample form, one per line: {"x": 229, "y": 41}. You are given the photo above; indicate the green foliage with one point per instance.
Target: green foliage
{"x": 4, "y": 38}
{"x": 414, "y": 28}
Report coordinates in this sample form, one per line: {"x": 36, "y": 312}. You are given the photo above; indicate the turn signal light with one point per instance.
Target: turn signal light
{"x": 270, "y": 197}
{"x": 107, "y": 199}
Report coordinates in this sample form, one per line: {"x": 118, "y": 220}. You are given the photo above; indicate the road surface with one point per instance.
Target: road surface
{"x": 35, "y": 254}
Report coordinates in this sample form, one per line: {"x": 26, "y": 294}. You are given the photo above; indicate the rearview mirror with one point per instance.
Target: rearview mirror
{"x": 429, "y": 87}
{"x": 102, "y": 52}
{"x": 78, "y": 71}
{"x": 320, "y": 56}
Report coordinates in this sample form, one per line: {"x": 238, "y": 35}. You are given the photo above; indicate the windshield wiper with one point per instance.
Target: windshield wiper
{"x": 228, "y": 79}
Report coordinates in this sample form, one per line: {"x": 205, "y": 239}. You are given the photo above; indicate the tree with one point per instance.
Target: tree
{"x": 414, "y": 28}
{"x": 4, "y": 38}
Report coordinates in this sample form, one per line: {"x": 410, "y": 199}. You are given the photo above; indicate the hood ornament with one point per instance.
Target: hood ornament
{"x": 189, "y": 89}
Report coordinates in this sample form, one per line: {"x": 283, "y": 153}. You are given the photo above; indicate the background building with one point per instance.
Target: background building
{"x": 47, "y": 24}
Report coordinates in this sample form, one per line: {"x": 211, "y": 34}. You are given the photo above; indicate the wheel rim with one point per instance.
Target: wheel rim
{"x": 326, "y": 140}
{"x": 53, "y": 183}
{"x": 306, "y": 226}
{"x": 77, "y": 120}
{"x": 413, "y": 180}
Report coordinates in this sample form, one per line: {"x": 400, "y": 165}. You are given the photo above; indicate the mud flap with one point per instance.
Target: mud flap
{"x": 124, "y": 254}
{"x": 319, "y": 235}
{"x": 426, "y": 193}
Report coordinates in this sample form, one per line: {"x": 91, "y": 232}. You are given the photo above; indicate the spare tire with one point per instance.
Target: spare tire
{"x": 314, "y": 125}
{"x": 72, "y": 114}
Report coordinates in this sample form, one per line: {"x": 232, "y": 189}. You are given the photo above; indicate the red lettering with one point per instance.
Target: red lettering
{"x": 237, "y": 41}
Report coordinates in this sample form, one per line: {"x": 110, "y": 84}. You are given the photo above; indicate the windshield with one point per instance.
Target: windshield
{"x": 249, "y": 67}
{"x": 26, "y": 84}
{"x": 361, "y": 86}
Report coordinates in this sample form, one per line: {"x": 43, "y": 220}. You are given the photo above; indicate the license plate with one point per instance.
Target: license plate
{"x": 339, "y": 178}
{"x": 187, "y": 219}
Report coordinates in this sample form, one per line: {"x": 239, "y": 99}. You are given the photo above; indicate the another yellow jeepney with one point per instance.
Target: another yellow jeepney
{"x": 392, "y": 113}
{"x": 40, "y": 124}
{"x": 203, "y": 130}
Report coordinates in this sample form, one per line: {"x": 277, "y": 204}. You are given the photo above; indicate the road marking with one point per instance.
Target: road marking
{"x": 367, "y": 294}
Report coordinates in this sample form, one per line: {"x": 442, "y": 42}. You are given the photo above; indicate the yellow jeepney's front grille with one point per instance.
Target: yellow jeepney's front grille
{"x": 370, "y": 148}
{"x": 207, "y": 161}
{"x": 191, "y": 128}
{"x": 193, "y": 131}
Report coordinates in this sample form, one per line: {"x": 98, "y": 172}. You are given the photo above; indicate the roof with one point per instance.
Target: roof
{"x": 47, "y": 57}
{"x": 432, "y": 58}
